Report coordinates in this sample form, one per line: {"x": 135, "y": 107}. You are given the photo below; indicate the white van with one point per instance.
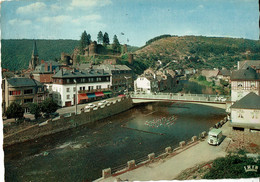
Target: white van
{"x": 215, "y": 136}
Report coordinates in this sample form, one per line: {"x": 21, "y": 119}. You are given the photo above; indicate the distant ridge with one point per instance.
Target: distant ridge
{"x": 198, "y": 51}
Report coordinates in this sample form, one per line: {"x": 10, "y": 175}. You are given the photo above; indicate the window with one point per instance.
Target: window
{"x": 90, "y": 79}
{"x": 28, "y": 100}
{"x": 90, "y": 88}
{"x": 107, "y": 78}
{"x": 68, "y": 96}
{"x": 98, "y": 86}
{"x": 68, "y": 89}
{"x": 68, "y": 80}
{"x": 98, "y": 78}
{"x": 108, "y": 86}
{"x": 83, "y": 80}
{"x": 74, "y": 89}
{"x": 29, "y": 91}
{"x": 15, "y": 92}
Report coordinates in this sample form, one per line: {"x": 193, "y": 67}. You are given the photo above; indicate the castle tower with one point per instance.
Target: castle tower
{"x": 35, "y": 57}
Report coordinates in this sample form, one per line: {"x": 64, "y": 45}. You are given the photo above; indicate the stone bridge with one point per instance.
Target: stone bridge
{"x": 210, "y": 100}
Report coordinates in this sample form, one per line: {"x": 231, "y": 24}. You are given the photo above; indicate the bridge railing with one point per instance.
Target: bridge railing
{"x": 180, "y": 96}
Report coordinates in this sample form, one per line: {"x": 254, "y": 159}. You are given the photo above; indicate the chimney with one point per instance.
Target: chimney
{"x": 42, "y": 61}
{"x": 50, "y": 67}
{"x": 46, "y": 67}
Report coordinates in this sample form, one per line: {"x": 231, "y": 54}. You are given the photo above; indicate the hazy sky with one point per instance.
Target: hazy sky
{"x": 139, "y": 20}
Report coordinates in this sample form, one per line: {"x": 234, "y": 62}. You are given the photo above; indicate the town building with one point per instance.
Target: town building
{"x": 121, "y": 77}
{"x": 243, "y": 82}
{"x": 44, "y": 72}
{"x": 245, "y": 113}
{"x": 23, "y": 91}
{"x": 82, "y": 86}
{"x": 255, "y": 64}
{"x": 224, "y": 74}
{"x": 146, "y": 84}
{"x": 211, "y": 75}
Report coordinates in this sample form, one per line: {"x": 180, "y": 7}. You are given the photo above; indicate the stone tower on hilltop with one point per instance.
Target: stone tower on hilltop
{"x": 35, "y": 57}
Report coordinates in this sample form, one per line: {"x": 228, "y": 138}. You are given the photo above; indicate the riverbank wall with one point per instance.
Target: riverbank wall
{"x": 68, "y": 121}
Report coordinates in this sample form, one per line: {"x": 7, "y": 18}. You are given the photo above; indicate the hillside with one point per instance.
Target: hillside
{"x": 17, "y": 53}
{"x": 197, "y": 51}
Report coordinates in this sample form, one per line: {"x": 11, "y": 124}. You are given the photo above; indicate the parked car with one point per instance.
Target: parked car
{"x": 90, "y": 106}
{"x": 103, "y": 102}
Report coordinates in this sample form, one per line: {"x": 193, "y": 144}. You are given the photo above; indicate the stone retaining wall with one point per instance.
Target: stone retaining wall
{"x": 69, "y": 121}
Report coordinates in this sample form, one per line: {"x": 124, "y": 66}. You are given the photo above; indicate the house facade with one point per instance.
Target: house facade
{"x": 145, "y": 84}
{"x": 243, "y": 82}
{"x": 121, "y": 76}
{"x": 23, "y": 91}
{"x": 245, "y": 113}
{"x": 80, "y": 86}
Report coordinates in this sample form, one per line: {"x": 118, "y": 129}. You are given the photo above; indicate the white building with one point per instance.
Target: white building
{"x": 245, "y": 113}
{"x": 87, "y": 85}
{"x": 145, "y": 84}
{"x": 243, "y": 82}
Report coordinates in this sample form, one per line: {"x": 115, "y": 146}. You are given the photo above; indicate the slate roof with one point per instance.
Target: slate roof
{"x": 251, "y": 63}
{"x": 245, "y": 74}
{"x": 109, "y": 68}
{"x": 250, "y": 101}
{"x": 41, "y": 68}
{"x": 23, "y": 82}
{"x": 224, "y": 72}
{"x": 63, "y": 73}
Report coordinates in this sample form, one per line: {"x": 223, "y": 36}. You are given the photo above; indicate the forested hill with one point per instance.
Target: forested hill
{"x": 17, "y": 53}
{"x": 197, "y": 51}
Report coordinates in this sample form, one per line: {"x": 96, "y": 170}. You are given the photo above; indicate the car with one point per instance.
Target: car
{"x": 90, "y": 106}
{"x": 103, "y": 102}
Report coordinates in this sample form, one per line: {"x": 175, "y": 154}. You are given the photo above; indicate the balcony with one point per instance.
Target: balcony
{"x": 94, "y": 90}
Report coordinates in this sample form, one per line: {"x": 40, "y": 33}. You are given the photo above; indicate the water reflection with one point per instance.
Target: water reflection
{"x": 81, "y": 154}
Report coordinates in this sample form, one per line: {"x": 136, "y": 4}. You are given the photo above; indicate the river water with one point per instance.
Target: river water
{"x": 81, "y": 154}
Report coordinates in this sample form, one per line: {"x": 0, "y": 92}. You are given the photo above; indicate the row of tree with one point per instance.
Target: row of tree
{"x": 85, "y": 41}
{"x": 47, "y": 107}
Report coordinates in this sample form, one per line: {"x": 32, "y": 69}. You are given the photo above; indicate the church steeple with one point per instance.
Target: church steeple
{"x": 35, "y": 57}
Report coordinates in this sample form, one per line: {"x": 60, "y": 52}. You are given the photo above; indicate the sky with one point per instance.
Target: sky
{"x": 133, "y": 21}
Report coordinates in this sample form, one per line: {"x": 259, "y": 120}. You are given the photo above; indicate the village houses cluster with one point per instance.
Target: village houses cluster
{"x": 69, "y": 84}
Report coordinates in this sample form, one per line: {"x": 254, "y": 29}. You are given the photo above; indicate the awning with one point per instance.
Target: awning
{"x": 99, "y": 94}
{"x": 82, "y": 97}
{"x": 91, "y": 95}
{"x": 107, "y": 92}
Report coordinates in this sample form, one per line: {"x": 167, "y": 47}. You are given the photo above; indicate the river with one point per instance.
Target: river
{"x": 80, "y": 154}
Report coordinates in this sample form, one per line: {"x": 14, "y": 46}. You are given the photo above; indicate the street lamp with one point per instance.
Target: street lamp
{"x": 76, "y": 96}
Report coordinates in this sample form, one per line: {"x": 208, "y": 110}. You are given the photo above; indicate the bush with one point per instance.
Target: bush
{"x": 201, "y": 78}
{"x": 232, "y": 167}
{"x": 35, "y": 109}
{"x": 15, "y": 110}
{"x": 48, "y": 106}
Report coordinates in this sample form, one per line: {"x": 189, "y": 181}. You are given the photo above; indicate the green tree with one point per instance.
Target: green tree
{"x": 106, "y": 39}
{"x": 116, "y": 44}
{"x": 15, "y": 110}
{"x": 48, "y": 106}
{"x": 83, "y": 41}
{"x": 35, "y": 109}
{"x": 88, "y": 39}
{"x": 100, "y": 37}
